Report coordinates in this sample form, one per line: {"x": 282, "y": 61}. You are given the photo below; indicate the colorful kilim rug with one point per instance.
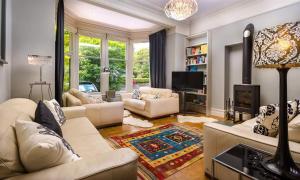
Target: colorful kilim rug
{"x": 162, "y": 150}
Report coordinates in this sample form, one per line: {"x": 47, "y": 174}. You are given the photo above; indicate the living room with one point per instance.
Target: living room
{"x": 156, "y": 89}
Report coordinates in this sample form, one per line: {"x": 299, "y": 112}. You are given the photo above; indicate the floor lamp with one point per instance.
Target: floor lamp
{"x": 39, "y": 61}
{"x": 279, "y": 47}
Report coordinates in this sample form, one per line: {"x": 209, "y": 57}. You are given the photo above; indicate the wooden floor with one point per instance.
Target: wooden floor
{"x": 193, "y": 172}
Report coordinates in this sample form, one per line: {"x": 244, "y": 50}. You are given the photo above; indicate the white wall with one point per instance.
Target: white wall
{"x": 33, "y": 32}
{"x": 175, "y": 55}
{"x": 267, "y": 78}
{"x": 5, "y": 70}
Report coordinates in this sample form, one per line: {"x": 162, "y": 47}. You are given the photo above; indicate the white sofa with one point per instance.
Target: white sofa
{"x": 98, "y": 159}
{"x": 102, "y": 114}
{"x": 219, "y": 137}
{"x": 166, "y": 104}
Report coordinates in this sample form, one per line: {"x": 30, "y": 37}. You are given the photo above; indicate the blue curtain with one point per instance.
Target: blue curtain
{"x": 59, "y": 53}
{"x": 158, "y": 59}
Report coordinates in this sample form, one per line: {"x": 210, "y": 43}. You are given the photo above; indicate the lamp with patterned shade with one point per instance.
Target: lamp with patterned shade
{"x": 279, "y": 47}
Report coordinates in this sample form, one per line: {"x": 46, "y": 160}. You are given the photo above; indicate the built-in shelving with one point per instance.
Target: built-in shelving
{"x": 197, "y": 59}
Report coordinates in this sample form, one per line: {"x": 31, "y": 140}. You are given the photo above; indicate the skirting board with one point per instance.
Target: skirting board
{"x": 217, "y": 112}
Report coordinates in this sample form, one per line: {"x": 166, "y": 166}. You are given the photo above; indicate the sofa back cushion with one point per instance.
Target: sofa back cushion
{"x": 11, "y": 110}
{"x": 86, "y": 98}
{"x": 161, "y": 93}
{"x": 42, "y": 148}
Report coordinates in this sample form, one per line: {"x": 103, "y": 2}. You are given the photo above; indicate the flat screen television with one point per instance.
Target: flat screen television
{"x": 187, "y": 80}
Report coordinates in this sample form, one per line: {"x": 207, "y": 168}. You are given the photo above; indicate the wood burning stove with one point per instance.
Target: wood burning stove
{"x": 246, "y": 97}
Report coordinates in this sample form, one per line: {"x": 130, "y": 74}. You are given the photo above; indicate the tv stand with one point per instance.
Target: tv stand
{"x": 191, "y": 102}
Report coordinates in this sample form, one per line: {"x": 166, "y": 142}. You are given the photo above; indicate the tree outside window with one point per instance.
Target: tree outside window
{"x": 141, "y": 65}
{"x": 89, "y": 61}
{"x": 117, "y": 65}
{"x": 67, "y": 59}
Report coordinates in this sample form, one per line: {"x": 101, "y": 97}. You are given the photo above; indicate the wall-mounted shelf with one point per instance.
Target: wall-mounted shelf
{"x": 203, "y": 64}
{"x": 3, "y": 61}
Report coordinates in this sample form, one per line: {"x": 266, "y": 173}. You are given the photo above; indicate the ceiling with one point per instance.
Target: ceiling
{"x": 205, "y": 6}
{"x": 88, "y": 12}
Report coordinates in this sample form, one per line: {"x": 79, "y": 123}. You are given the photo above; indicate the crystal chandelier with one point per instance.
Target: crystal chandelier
{"x": 181, "y": 9}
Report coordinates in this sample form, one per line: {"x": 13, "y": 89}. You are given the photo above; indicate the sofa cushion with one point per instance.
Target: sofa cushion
{"x": 42, "y": 148}
{"x": 56, "y": 110}
{"x": 295, "y": 123}
{"x": 43, "y": 116}
{"x": 138, "y": 104}
{"x": 89, "y": 144}
{"x": 22, "y": 105}
{"x": 268, "y": 120}
{"x": 161, "y": 93}
{"x": 70, "y": 128}
{"x": 136, "y": 94}
{"x": 149, "y": 96}
{"x": 84, "y": 97}
{"x": 294, "y": 134}
{"x": 11, "y": 110}
{"x": 10, "y": 163}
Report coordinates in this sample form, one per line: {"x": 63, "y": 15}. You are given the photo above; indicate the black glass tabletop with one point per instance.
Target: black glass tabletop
{"x": 247, "y": 161}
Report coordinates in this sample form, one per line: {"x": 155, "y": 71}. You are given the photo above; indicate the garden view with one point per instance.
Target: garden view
{"x": 90, "y": 62}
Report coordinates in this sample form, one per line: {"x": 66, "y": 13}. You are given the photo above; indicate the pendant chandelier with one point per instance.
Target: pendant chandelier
{"x": 181, "y": 9}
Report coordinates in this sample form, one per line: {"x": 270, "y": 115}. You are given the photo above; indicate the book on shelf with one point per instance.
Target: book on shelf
{"x": 197, "y": 50}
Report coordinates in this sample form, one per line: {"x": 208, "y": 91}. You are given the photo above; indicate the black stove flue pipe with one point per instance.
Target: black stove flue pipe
{"x": 247, "y": 53}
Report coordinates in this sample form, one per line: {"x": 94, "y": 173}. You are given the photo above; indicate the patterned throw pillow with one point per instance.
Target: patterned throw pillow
{"x": 292, "y": 109}
{"x": 136, "y": 94}
{"x": 41, "y": 148}
{"x": 268, "y": 120}
{"x": 56, "y": 110}
{"x": 44, "y": 116}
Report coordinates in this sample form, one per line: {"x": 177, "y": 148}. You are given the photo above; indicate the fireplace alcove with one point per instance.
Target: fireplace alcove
{"x": 246, "y": 97}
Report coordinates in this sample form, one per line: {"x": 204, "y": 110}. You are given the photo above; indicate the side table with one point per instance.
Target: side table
{"x": 246, "y": 161}
{"x": 42, "y": 93}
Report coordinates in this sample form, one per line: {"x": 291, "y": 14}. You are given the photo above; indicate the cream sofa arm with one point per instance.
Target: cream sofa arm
{"x": 70, "y": 100}
{"x": 105, "y": 113}
{"x": 218, "y": 138}
{"x": 114, "y": 165}
{"x": 126, "y": 96}
{"x": 162, "y": 106}
{"x": 74, "y": 112}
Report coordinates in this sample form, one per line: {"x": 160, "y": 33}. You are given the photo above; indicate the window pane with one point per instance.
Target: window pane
{"x": 117, "y": 65}
{"x": 89, "y": 63}
{"x": 67, "y": 60}
{"x": 141, "y": 65}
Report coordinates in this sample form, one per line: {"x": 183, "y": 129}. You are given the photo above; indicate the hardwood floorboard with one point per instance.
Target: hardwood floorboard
{"x": 194, "y": 171}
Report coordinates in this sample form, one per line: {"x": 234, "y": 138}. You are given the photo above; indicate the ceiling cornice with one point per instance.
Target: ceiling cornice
{"x": 236, "y": 13}
{"x": 122, "y": 6}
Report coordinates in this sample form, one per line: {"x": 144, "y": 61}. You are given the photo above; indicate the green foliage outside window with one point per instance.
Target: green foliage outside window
{"x": 141, "y": 68}
{"x": 67, "y": 60}
{"x": 90, "y": 67}
{"x": 89, "y": 60}
{"x": 117, "y": 65}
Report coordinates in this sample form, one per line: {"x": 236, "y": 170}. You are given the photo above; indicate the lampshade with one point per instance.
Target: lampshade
{"x": 277, "y": 47}
{"x": 39, "y": 60}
